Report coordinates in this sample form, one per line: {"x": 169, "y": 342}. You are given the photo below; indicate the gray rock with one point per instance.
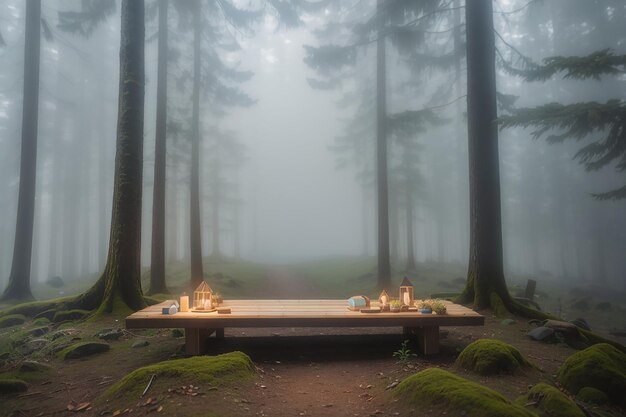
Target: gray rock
{"x": 64, "y": 332}
{"x": 582, "y": 323}
{"x": 542, "y": 334}
{"x": 55, "y": 282}
{"x": 85, "y": 349}
{"x": 140, "y": 343}
{"x": 111, "y": 335}
{"x": 33, "y": 366}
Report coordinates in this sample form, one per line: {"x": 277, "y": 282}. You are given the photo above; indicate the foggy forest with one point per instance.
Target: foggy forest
{"x": 284, "y": 156}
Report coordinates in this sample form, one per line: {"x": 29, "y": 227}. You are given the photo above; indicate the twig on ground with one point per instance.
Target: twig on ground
{"x": 149, "y": 385}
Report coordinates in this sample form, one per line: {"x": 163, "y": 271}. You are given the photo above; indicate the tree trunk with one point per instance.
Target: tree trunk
{"x": 121, "y": 279}
{"x": 410, "y": 244}
{"x": 384, "y": 263}
{"x": 19, "y": 280}
{"x": 485, "y": 278}
{"x": 215, "y": 202}
{"x": 157, "y": 256}
{"x": 197, "y": 275}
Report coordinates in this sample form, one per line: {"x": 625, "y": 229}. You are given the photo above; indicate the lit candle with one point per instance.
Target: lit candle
{"x": 407, "y": 298}
{"x": 184, "y": 303}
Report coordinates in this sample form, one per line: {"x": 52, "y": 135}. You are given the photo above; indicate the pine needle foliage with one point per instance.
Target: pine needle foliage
{"x": 603, "y": 124}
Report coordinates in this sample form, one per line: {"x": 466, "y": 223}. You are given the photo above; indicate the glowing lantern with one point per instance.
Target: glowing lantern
{"x": 202, "y": 297}
{"x": 406, "y": 292}
{"x": 384, "y": 299}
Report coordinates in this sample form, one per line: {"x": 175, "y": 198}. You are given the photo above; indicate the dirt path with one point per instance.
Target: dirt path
{"x": 282, "y": 282}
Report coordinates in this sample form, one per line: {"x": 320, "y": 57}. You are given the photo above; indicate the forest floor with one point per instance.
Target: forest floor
{"x": 300, "y": 371}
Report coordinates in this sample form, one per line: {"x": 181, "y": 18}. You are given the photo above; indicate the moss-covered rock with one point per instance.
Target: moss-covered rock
{"x": 489, "y": 356}
{"x": 12, "y": 320}
{"x": 83, "y": 349}
{"x": 213, "y": 370}
{"x": 34, "y": 366}
{"x": 435, "y": 386}
{"x": 600, "y": 366}
{"x": 548, "y": 401}
{"x": 177, "y": 333}
{"x": 592, "y": 395}
{"x": 10, "y": 386}
{"x": 67, "y": 315}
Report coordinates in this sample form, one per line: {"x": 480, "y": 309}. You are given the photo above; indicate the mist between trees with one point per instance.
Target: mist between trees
{"x": 294, "y": 102}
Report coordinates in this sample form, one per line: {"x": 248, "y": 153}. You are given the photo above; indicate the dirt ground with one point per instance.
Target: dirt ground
{"x": 300, "y": 371}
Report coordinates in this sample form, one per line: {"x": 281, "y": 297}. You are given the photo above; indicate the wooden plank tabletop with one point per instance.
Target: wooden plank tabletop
{"x": 298, "y": 313}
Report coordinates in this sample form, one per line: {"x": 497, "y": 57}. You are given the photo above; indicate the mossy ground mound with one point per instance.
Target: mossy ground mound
{"x": 600, "y": 366}
{"x": 67, "y": 315}
{"x": 12, "y": 320}
{"x": 83, "y": 349}
{"x": 548, "y": 401}
{"x": 213, "y": 370}
{"x": 438, "y": 387}
{"x": 489, "y": 357}
{"x": 592, "y": 395}
{"x": 10, "y": 386}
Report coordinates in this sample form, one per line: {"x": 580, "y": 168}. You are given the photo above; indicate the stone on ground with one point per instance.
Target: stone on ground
{"x": 80, "y": 350}
{"x": 542, "y": 334}
{"x": 140, "y": 343}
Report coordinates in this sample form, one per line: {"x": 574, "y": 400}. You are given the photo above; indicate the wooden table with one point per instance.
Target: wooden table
{"x": 300, "y": 313}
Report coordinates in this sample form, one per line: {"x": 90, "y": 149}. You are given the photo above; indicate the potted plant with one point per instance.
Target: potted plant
{"x": 395, "y": 306}
{"x": 425, "y": 307}
{"x": 439, "y": 307}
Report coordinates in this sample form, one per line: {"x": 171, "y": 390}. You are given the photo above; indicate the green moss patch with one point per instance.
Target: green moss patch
{"x": 12, "y": 320}
{"x": 592, "y": 395}
{"x": 548, "y": 401}
{"x": 10, "y": 386}
{"x": 213, "y": 370}
{"x": 435, "y": 386}
{"x": 600, "y": 366}
{"x": 489, "y": 357}
{"x": 83, "y": 349}
{"x": 67, "y": 315}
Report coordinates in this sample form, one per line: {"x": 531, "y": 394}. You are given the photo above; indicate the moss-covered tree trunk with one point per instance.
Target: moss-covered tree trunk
{"x": 157, "y": 256}
{"x": 120, "y": 280}
{"x": 19, "y": 280}
{"x": 197, "y": 274}
{"x": 384, "y": 262}
{"x": 485, "y": 286}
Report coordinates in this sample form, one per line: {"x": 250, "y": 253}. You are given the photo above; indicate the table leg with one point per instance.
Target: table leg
{"x": 196, "y": 340}
{"x": 427, "y": 338}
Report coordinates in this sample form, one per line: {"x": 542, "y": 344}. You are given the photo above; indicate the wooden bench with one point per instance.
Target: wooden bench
{"x": 300, "y": 313}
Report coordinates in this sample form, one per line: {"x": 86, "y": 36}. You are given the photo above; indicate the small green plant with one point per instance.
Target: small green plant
{"x": 439, "y": 307}
{"x": 395, "y": 304}
{"x": 404, "y": 354}
{"x": 425, "y": 304}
